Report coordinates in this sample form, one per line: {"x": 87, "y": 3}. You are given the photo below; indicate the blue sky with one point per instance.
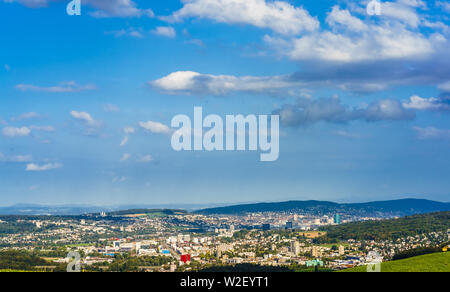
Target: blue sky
{"x": 364, "y": 100}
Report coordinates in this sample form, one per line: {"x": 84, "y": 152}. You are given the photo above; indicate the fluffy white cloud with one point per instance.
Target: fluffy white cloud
{"x": 85, "y": 117}
{"x": 45, "y": 167}
{"x": 401, "y": 12}
{"x": 64, "y": 87}
{"x": 165, "y": 31}
{"x": 92, "y": 126}
{"x": 188, "y": 82}
{"x": 394, "y": 35}
{"x": 378, "y": 43}
{"x": 343, "y": 17}
{"x": 432, "y": 103}
{"x": 279, "y": 16}
{"x": 155, "y": 127}
{"x": 16, "y": 132}
{"x": 387, "y": 110}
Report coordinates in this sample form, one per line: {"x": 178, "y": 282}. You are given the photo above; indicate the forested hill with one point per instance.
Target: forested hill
{"x": 391, "y": 229}
{"x": 404, "y": 207}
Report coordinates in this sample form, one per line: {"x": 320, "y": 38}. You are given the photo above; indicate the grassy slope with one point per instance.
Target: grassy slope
{"x": 437, "y": 262}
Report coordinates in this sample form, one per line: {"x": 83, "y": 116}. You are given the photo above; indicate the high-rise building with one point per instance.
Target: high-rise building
{"x": 289, "y": 225}
{"x": 295, "y": 248}
{"x": 337, "y": 219}
{"x": 315, "y": 252}
{"x": 341, "y": 250}
{"x": 138, "y": 247}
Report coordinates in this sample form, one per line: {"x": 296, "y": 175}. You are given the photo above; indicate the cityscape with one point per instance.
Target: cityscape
{"x": 225, "y": 143}
{"x": 164, "y": 240}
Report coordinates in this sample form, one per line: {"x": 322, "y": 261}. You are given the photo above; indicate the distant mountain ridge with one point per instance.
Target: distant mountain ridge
{"x": 404, "y": 207}
{"x": 75, "y": 210}
{"x": 395, "y": 208}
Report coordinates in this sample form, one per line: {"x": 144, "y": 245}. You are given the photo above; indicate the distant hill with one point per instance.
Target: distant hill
{"x": 403, "y": 207}
{"x": 391, "y": 229}
{"x": 63, "y": 210}
{"x": 437, "y": 262}
{"x": 147, "y": 212}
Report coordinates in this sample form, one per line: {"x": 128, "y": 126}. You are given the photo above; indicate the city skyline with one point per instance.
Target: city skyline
{"x": 87, "y": 101}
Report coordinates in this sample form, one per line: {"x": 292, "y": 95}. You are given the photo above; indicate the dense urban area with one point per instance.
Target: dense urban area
{"x": 178, "y": 241}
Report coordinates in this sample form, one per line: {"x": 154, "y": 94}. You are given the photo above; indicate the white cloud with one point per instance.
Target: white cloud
{"x": 343, "y": 17}
{"x": 83, "y": 116}
{"x": 401, "y": 12}
{"x": 16, "y": 132}
{"x": 21, "y": 158}
{"x": 64, "y": 87}
{"x": 27, "y": 116}
{"x": 155, "y": 127}
{"x": 92, "y": 126}
{"x": 124, "y": 141}
{"x": 104, "y": 8}
{"x": 111, "y": 108}
{"x": 145, "y": 158}
{"x": 444, "y": 5}
{"x": 131, "y": 32}
{"x": 16, "y": 158}
{"x": 331, "y": 110}
{"x": 127, "y": 131}
{"x": 45, "y": 167}
{"x": 43, "y": 128}
{"x": 118, "y": 8}
{"x": 278, "y": 16}
{"x": 432, "y": 103}
{"x": 34, "y": 187}
{"x": 125, "y": 157}
{"x": 188, "y": 82}
{"x": 431, "y": 133}
{"x": 346, "y": 134}
{"x": 445, "y": 86}
{"x": 119, "y": 179}
{"x": 165, "y": 31}
{"x": 378, "y": 43}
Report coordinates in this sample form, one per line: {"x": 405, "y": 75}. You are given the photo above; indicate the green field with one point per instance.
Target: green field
{"x": 437, "y": 262}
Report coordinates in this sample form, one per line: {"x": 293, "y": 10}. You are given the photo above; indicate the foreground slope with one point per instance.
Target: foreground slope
{"x": 436, "y": 262}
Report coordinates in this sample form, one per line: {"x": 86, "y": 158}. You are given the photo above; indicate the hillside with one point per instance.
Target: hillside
{"x": 404, "y": 207}
{"x": 147, "y": 212}
{"x": 389, "y": 229}
{"x": 437, "y": 262}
